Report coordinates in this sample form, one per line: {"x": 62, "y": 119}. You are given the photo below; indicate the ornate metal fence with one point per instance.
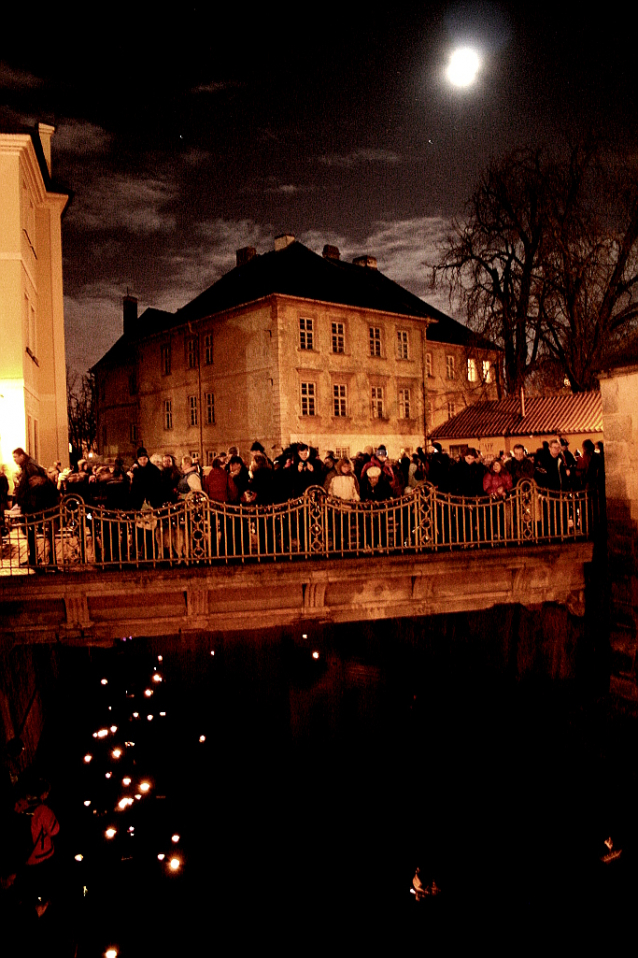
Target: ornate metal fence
{"x": 76, "y": 536}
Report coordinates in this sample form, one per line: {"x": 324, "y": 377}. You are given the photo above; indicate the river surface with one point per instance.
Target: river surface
{"x": 298, "y": 793}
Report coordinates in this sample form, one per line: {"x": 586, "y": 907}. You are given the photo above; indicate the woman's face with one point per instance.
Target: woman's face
{"x": 496, "y": 466}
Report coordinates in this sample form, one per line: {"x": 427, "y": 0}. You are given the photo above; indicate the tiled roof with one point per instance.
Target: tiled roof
{"x": 298, "y": 271}
{"x": 561, "y": 414}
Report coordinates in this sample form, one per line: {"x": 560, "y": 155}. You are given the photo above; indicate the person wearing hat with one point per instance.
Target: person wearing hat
{"x": 393, "y": 476}
{"x": 146, "y": 485}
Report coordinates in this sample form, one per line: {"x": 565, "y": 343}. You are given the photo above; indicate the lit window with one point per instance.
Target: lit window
{"x": 378, "y": 404}
{"x": 403, "y": 344}
{"x": 306, "y": 334}
{"x": 339, "y": 394}
{"x": 210, "y": 409}
{"x": 208, "y": 349}
{"x": 342, "y": 452}
{"x": 338, "y": 338}
{"x": 488, "y": 371}
{"x": 404, "y": 403}
{"x": 168, "y": 414}
{"x": 375, "y": 341}
{"x": 165, "y": 359}
{"x": 192, "y": 410}
{"x": 428, "y": 365}
{"x": 472, "y": 371}
{"x": 307, "y": 399}
{"x": 451, "y": 410}
{"x": 449, "y": 367}
{"x": 191, "y": 352}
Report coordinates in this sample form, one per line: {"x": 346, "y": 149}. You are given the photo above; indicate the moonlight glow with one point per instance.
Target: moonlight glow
{"x": 463, "y": 67}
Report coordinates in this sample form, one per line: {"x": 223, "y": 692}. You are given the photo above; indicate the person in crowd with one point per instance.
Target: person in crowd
{"x": 262, "y": 480}
{"x": 4, "y": 500}
{"x": 497, "y": 481}
{"x": 375, "y": 485}
{"x": 190, "y": 481}
{"x": 329, "y": 469}
{"x": 467, "y": 475}
{"x": 438, "y": 467}
{"x": 520, "y": 466}
{"x": 219, "y": 485}
{"x": 417, "y": 473}
{"x": 35, "y": 878}
{"x": 303, "y": 471}
{"x": 551, "y": 471}
{"x": 587, "y": 467}
{"x": 33, "y": 492}
{"x": 238, "y": 472}
{"x": 146, "y": 484}
{"x": 380, "y": 460}
{"x": 343, "y": 483}
{"x": 170, "y": 476}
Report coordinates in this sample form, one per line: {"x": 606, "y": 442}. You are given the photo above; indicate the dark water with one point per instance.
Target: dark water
{"x": 321, "y": 785}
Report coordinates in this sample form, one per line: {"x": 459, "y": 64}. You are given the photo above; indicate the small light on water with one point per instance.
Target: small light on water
{"x": 114, "y": 728}
{"x": 202, "y": 738}
{"x": 144, "y": 786}
{"x": 87, "y": 758}
{"x": 110, "y": 832}
{"x": 175, "y": 863}
{"x": 116, "y": 752}
{"x": 108, "y": 775}
{"x": 212, "y": 651}
{"x": 126, "y": 781}
{"x": 136, "y": 714}
{"x": 160, "y": 658}
{"x": 149, "y": 718}
{"x": 175, "y": 838}
{"x": 148, "y": 693}
{"x": 157, "y": 677}
{"x": 161, "y": 857}
{"x": 79, "y": 858}
{"x": 315, "y": 655}
{"x": 304, "y": 635}
{"x": 104, "y": 682}
{"x": 87, "y": 802}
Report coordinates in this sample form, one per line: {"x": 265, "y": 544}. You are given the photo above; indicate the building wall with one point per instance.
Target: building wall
{"x": 32, "y": 364}
{"x": 492, "y": 445}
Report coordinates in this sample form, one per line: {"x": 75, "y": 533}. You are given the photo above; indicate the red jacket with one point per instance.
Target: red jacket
{"x": 44, "y": 825}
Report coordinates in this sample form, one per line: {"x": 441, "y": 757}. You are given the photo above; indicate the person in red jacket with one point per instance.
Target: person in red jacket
{"x": 35, "y": 878}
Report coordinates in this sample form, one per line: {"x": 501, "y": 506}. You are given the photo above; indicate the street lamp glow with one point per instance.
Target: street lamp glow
{"x": 463, "y": 66}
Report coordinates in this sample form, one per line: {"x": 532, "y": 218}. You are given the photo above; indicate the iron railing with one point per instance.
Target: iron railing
{"x": 77, "y": 536}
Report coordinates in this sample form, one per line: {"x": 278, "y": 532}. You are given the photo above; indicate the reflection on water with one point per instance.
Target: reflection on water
{"x": 286, "y": 782}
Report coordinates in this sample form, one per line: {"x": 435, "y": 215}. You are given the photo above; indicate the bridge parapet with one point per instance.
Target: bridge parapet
{"x": 78, "y": 537}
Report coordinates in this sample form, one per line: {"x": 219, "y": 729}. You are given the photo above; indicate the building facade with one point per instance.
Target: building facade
{"x": 288, "y": 346}
{"x": 33, "y": 411}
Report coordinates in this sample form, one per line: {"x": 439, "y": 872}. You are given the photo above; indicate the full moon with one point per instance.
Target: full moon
{"x": 463, "y": 67}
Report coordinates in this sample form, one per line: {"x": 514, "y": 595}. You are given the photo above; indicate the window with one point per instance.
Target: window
{"x": 428, "y": 365}
{"x": 338, "y": 338}
{"x": 210, "y": 409}
{"x": 342, "y": 452}
{"x": 451, "y": 410}
{"x": 165, "y": 359}
{"x": 211, "y": 455}
{"x": 339, "y": 398}
{"x": 472, "y": 371}
{"x": 403, "y": 344}
{"x": 375, "y": 341}
{"x": 168, "y": 414}
{"x": 429, "y": 412}
{"x": 132, "y": 431}
{"x": 307, "y": 399}
{"x": 306, "y": 334}
{"x": 132, "y": 383}
{"x": 192, "y": 410}
{"x": 378, "y": 405}
{"x": 488, "y": 371}
{"x": 404, "y": 403}
{"x": 450, "y": 371}
{"x": 191, "y": 352}
{"x": 208, "y": 349}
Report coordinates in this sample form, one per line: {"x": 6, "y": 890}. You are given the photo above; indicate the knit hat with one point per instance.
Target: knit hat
{"x": 141, "y": 452}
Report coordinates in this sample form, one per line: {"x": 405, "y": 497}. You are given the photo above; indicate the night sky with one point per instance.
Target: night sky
{"x": 187, "y": 134}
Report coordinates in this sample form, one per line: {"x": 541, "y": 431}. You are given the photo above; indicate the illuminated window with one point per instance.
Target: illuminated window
{"x": 307, "y": 399}
{"x": 338, "y": 338}
{"x": 192, "y": 410}
{"x": 404, "y": 404}
{"x": 342, "y": 452}
{"x": 472, "y": 371}
{"x": 378, "y": 402}
{"x": 306, "y": 334}
{"x": 488, "y": 371}
{"x": 403, "y": 344}
{"x": 168, "y": 414}
{"x": 375, "y": 341}
{"x": 339, "y": 397}
{"x": 208, "y": 349}
{"x": 449, "y": 367}
{"x": 210, "y": 409}
{"x": 451, "y": 410}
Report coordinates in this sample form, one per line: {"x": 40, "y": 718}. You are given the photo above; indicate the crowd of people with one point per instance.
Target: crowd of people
{"x": 261, "y": 480}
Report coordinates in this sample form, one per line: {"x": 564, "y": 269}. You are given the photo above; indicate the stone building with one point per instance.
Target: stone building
{"x": 288, "y": 346}
{"x": 32, "y": 359}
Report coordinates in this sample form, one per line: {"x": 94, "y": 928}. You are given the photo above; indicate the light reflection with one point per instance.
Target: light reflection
{"x": 144, "y": 786}
{"x": 116, "y": 752}
{"x": 149, "y": 718}
{"x": 175, "y": 838}
{"x": 108, "y": 774}
{"x": 104, "y": 682}
{"x": 136, "y": 714}
{"x": 110, "y": 953}
{"x": 160, "y": 658}
{"x": 148, "y": 693}
{"x": 202, "y": 738}
{"x": 161, "y": 857}
{"x": 157, "y": 677}
{"x": 114, "y": 728}
{"x": 87, "y": 758}
{"x": 110, "y": 832}
{"x": 175, "y": 863}
{"x": 78, "y": 858}
{"x": 87, "y": 802}
{"x": 126, "y": 781}
{"x": 315, "y": 655}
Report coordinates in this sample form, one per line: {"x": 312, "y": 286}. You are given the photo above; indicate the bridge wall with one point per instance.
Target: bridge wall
{"x": 97, "y": 608}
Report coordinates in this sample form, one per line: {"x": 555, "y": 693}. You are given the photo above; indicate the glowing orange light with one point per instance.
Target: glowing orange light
{"x": 136, "y": 714}
{"x": 175, "y": 863}
{"x": 160, "y": 658}
{"x": 110, "y": 832}
{"x": 175, "y": 838}
{"x": 315, "y": 655}
{"x": 103, "y": 732}
{"x": 78, "y": 858}
{"x": 157, "y": 677}
{"x": 202, "y": 738}
{"x": 163, "y": 714}
{"x": 126, "y": 781}
{"x": 304, "y": 635}
{"x": 108, "y": 775}
{"x": 116, "y": 752}
{"x": 148, "y": 693}
{"x": 87, "y": 802}
{"x": 212, "y": 651}
{"x": 149, "y": 718}
{"x": 124, "y": 803}
{"x": 161, "y": 857}
{"x": 110, "y": 953}
{"x": 87, "y": 758}
{"x": 104, "y": 682}
{"x": 144, "y": 786}
{"x": 114, "y": 728}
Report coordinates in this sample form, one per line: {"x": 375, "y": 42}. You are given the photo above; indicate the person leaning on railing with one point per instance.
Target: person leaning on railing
{"x": 33, "y": 492}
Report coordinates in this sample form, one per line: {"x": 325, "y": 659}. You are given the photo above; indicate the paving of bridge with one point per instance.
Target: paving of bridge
{"x": 95, "y": 608}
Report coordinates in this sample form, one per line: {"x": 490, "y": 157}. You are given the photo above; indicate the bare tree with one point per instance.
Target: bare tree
{"x": 81, "y": 411}
{"x": 545, "y": 262}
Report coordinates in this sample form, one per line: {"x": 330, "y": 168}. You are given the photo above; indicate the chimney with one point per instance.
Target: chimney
{"x": 45, "y": 133}
{"x": 369, "y": 261}
{"x": 284, "y": 240}
{"x": 522, "y": 402}
{"x": 245, "y": 254}
{"x": 331, "y": 252}
{"x": 129, "y": 309}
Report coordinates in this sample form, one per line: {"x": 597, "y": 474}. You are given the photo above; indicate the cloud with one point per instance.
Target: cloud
{"x": 92, "y": 322}
{"x": 217, "y": 86}
{"x": 78, "y": 137}
{"x": 12, "y": 79}
{"x": 117, "y": 201}
{"x": 348, "y": 161}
